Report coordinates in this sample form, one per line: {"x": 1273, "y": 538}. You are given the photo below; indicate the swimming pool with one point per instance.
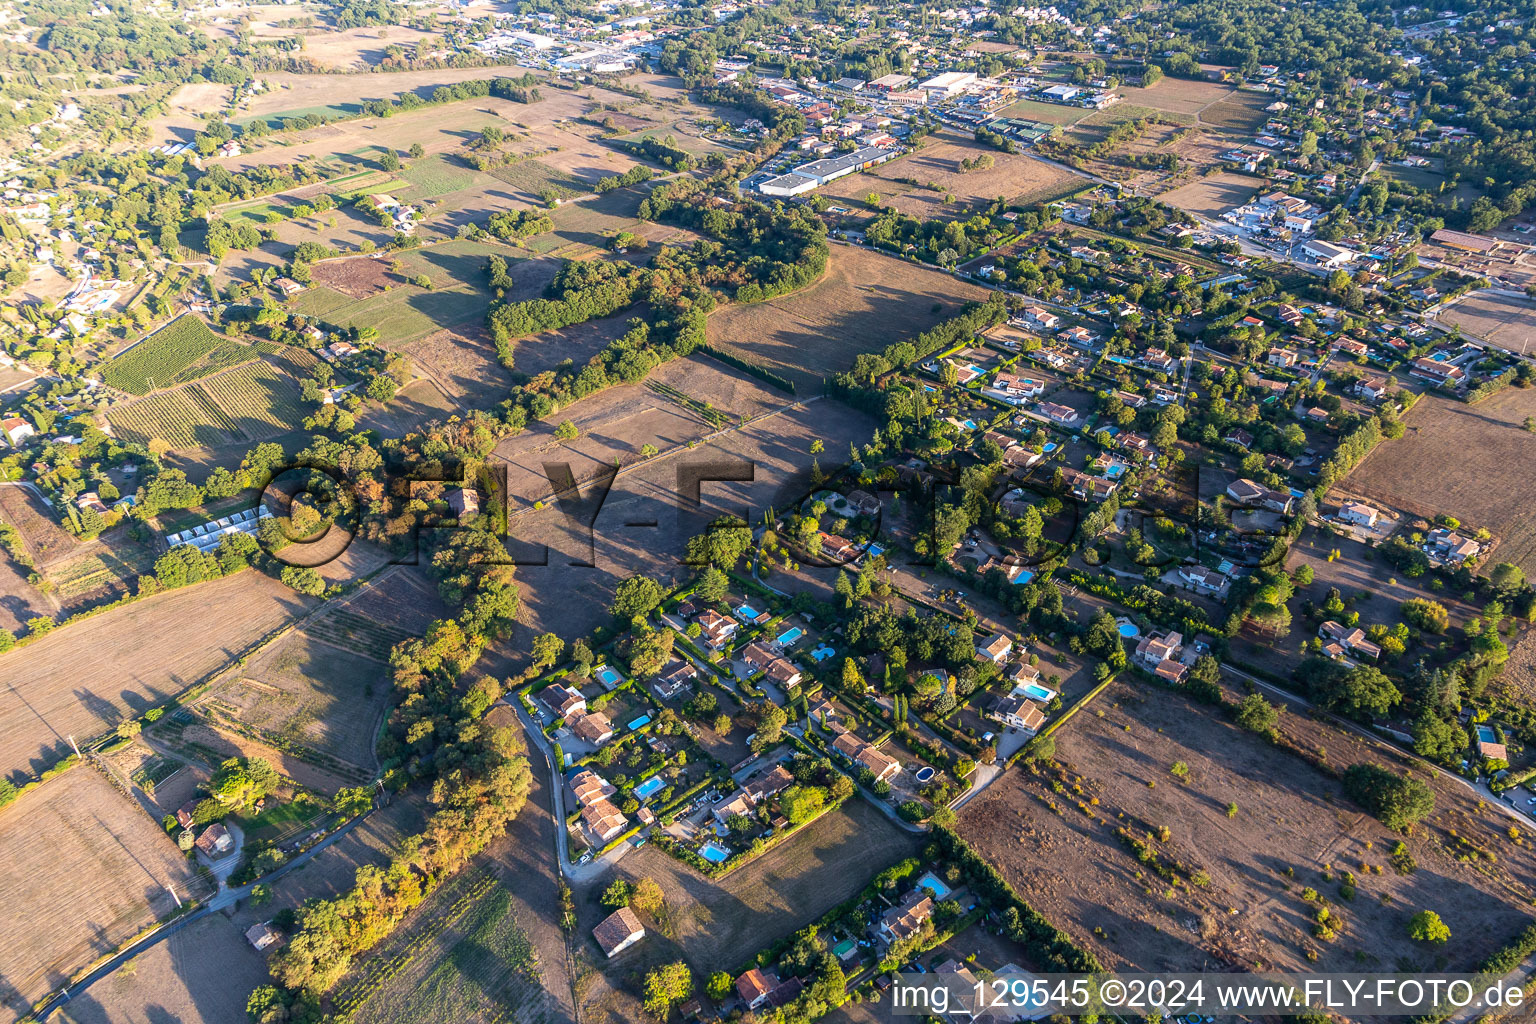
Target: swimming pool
{"x": 1129, "y": 629}
{"x": 1023, "y": 577}
{"x": 1119, "y": 359}
{"x": 649, "y": 786}
{"x": 789, "y": 636}
{"x": 968, "y": 424}
{"x": 747, "y": 612}
{"x": 714, "y": 853}
{"x": 1050, "y": 446}
{"x": 1486, "y": 735}
{"x": 822, "y": 653}
{"x": 1038, "y": 692}
{"x": 640, "y": 722}
{"x": 608, "y": 676}
{"x": 1114, "y": 472}
{"x": 924, "y": 773}
{"x": 931, "y": 881}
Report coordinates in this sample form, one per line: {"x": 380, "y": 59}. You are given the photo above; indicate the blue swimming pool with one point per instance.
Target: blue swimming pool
{"x": 1486, "y": 734}
{"x": 1023, "y": 577}
{"x": 747, "y": 612}
{"x": 924, "y": 773}
{"x": 714, "y": 853}
{"x": 1050, "y": 446}
{"x": 649, "y": 786}
{"x": 968, "y": 424}
{"x": 1129, "y": 629}
{"x": 640, "y": 722}
{"x": 1119, "y": 359}
{"x": 789, "y": 636}
{"x": 822, "y": 653}
{"x": 1115, "y": 472}
{"x": 608, "y": 676}
{"x": 931, "y": 881}
{"x": 1038, "y": 692}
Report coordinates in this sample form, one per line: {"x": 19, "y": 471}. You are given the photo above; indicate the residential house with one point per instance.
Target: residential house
{"x": 1372, "y": 389}
{"x": 1040, "y": 317}
{"x": 184, "y": 813}
{"x": 784, "y": 673}
{"x": 1155, "y": 648}
{"x": 1201, "y": 578}
{"x": 770, "y": 785}
{"x": 16, "y": 430}
{"x": 1138, "y": 445}
{"x": 589, "y": 787}
{"x": 618, "y": 931}
{"x": 1158, "y": 360}
{"x": 463, "y": 501}
{"x": 1350, "y": 639}
{"x": 995, "y": 649}
{"x": 339, "y": 350}
{"x": 675, "y": 679}
{"x": 594, "y": 728}
{"x": 1450, "y": 546}
{"x": 716, "y": 630}
{"x": 1081, "y": 337}
{"x": 1018, "y": 713}
{"x": 1087, "y": 486}
{"x": 1247, "y": 492}
{"x": 1282, "y": 357}
{"x": 907, "y": 918}
{"x": 1239, "y": 437}
{"x": 1437, "y": 372}
{"x": 755, "y": 986}
{"x": 1064, "y": 415}
{"x": 215, "y": 841}
{"x": 1021, "y": 673}
{"x": 1359, "y": 514}
{"x": 562, "y": 699}
{"x": 1493, "y": 751}
{"x": 603, "y": 820}
{"x": 860, "y": 752}
{"x": 739, "y": 802}
{"x": 758, "y": 655}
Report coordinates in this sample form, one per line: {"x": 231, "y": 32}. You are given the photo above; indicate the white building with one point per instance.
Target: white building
{"x": 948, "y": 85}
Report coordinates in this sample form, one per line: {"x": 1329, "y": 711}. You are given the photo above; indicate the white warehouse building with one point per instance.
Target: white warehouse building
{"x": 819, "y": 172}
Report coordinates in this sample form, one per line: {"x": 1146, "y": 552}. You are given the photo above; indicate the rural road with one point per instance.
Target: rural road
{"x": 226, "y": 898}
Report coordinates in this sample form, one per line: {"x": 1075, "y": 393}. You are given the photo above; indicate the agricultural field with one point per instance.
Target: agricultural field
{"x": 1293, "y": 828}
{"x": 315, "y": 700}
{"x": 462, "y": 362}
{"x": 111, "y": 563}
{"x": 817, "y": 331}
{"x": 461, "y": 955}
{"x": 1178, "y": 96}
{"x": 916, "y": 184}
{"x": 585, "y": 226}
{"x": 1213, "y": 195}
{"x": 201, "y": 974}
{"x": 254, "y": 401}
{"x": 1050, "y": 113}
{"x": 176, "y": 353}
{"x": 1241, "y": 112}
{"x": 718, "y": 925}
{"x": 1501, "y": 320}
{"x": 73, "y": 681}
{"x": 1447, "y": 462}
{"x": 46, "y": 541}
{"x": 291, "y": 94}
{"x": 379, "y": 296}
{"x": 86, "y": 869}
{"x": 184, "y": 112}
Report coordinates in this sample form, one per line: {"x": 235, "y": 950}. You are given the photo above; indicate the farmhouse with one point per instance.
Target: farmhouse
{"x": 618, "y": 931}
{"x": 263, "y": 936}
{"x": 1450, "y": 546}
{"x": 755, "y": 986}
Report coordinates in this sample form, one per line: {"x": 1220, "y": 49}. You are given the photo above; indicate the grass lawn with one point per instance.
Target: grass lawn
{"x": 436, "y": 175}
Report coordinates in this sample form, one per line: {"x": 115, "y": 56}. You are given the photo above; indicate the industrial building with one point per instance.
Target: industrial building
{"x": 819, "y": 172}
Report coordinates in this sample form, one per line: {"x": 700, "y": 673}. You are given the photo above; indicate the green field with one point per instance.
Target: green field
{"x": 317, "y": 300}
{"x": 436, "y": 175}
{"x": 160, "y": 358}
{"x": 535, "y": 179}
{"x": 405, "y": 312}
{"x": 252, "y": 402}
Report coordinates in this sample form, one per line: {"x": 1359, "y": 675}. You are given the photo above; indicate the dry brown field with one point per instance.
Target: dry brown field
{"x": 183, "y": 118}
{"x": 578, "y": 343}
{"x": 1017, "y": 177}
{"x": 462, "y": 362}
{"x": 1501, "y": 320}
{"x": 1293, "y": 829}
{"x": 86, "y": 869}
{"x": 350, "y": 48}
{"x": 1455, "y": 459}
{"x": 864, "y": 302}
{"x": 201, "y": 974}
{"x": 84, "y": 679}
{"x": 1213, "y": 195}
{"x": 717, "y": 925}
{"x": 1177, "y": 95}
{"x": 1241, "y": 112}
{"x": 46, "y": 541}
